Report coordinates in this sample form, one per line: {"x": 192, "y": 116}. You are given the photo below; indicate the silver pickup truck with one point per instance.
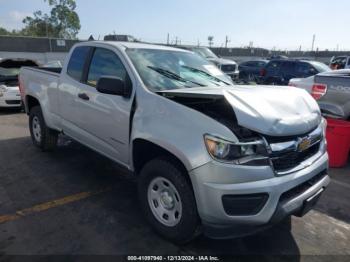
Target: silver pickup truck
{"x": 209, "y": 156}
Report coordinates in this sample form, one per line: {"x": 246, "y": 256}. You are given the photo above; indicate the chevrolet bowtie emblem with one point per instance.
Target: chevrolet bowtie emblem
{"x": 304, "y": 144}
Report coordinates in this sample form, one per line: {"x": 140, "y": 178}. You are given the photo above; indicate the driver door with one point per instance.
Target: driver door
{"x": 103, "y": 119}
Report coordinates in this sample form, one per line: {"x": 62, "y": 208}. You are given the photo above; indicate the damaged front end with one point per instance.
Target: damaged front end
{"x": 251, "y": 148}
{"x": 275, "y": 145}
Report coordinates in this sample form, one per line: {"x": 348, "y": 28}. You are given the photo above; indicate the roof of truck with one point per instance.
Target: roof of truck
{"x": 136, "y": 45}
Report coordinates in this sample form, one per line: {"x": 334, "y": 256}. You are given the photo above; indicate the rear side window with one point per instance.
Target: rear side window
{"x": 288, "y": 67}
{"x": 248, "y": 63}
{"x": 261, "y": 64}
{"x": 77, "y": 61}
{"x": 304, "y": 69}
{"x": 105, "y": 63}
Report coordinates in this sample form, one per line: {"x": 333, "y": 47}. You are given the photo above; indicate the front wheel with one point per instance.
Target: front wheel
{"x": 167, "y": 199}
{"x": 42, "y": 136}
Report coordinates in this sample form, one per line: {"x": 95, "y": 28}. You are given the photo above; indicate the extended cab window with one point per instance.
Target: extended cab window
{"x": 77, "y": 61}
{"x": 105, "y": 63}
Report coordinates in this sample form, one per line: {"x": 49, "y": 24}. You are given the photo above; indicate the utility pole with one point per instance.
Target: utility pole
{"x": 47, "y": 34}
{"x": 176, "y": 39}
{"x": 313, "y": 43}
{"x": 227, "y": 40}
{"x": 210, "y": 41}
{"x": 167, "y": 40}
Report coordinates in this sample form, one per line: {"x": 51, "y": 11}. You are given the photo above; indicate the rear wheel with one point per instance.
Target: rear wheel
{"x": 42, "y": 136}
{"x": 167, "y": 199}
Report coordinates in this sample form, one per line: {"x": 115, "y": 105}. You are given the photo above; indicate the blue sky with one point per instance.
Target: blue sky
{"x": 283, "y": 24}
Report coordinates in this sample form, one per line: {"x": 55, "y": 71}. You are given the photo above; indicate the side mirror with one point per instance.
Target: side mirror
{"x": 113, "y": 86}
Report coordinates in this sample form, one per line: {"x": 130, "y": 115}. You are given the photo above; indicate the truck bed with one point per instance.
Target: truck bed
{"x": 55, "y": 70}
{"x": 41, "y": 83}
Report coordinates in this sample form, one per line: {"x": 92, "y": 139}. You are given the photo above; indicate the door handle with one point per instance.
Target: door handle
{"x": 83, "y": 96}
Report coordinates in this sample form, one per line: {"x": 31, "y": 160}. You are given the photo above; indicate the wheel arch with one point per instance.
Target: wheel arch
{"x": 144, "y": 150}
{"x": 30, "y": 102}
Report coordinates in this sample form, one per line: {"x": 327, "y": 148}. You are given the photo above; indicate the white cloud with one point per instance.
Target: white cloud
{"x": 13, "y": 19}
{"x": 17, "y": 16}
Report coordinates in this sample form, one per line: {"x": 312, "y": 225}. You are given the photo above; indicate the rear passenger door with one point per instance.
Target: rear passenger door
{"x": 70, "y": 82}
{"x": 103, "y": 119}
{"x": 273, "y": 75}
{"x": 288, "y": 72}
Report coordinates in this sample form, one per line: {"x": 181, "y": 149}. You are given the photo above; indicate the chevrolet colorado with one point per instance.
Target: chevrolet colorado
{"x": 209, "y": 156}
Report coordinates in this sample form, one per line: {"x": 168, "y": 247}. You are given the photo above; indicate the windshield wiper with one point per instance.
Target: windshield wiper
{"x": 172, "y": 75}
{"x": 206, "y": 74}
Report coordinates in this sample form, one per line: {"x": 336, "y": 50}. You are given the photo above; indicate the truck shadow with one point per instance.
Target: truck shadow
{"x": 10, "y": 111}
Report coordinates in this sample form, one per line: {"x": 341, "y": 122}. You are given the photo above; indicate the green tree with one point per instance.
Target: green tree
{"x": 62, "y": 22}
{"x": 4, "y": 31}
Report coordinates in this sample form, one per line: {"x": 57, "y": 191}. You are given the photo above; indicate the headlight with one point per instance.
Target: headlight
{"x": 242, "y": 153}
{"x": 324, "y": 133}
{"x": 3, "y": 89}
{"x": 324, "y": 127}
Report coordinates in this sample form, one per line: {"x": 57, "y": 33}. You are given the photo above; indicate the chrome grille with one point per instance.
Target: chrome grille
{"x": 288, "y": 153}
{"x": 228, "y": 68}
{"x": 285, "y": 161}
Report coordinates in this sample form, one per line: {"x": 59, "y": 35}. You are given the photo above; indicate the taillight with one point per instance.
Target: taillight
{"x": 263, "y": 72}
{"x": 20, "y": 86}
{"x": 318, "y": 91}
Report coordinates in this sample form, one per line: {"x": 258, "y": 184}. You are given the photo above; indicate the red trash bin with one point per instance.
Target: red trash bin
{"x": 338, "y": 138}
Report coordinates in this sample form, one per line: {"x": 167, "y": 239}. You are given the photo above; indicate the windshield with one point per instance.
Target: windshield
{"x": 171, "y": 69}
{"x": 320, "y": 67}
{"x": 204, "y": 52}
{"x": 9, "y": 72}
{"x": 10, "y": 68}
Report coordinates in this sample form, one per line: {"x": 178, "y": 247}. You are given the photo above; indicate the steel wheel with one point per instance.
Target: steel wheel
{"x": 164, "y": 201}
{"x": 36, "y": 129}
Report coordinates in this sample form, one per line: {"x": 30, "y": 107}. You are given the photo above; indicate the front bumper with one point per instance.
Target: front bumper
{"x": 234, "y": 75}
{"x": 214, "y": 180}
{"x": 10, "y": 99}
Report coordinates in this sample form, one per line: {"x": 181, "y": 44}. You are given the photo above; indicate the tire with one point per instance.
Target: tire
{"x": 243, "y": 76}
{"x": 286, "y": 224}
{"x": 42, "y": 136}
{"x": 181, "y": 228}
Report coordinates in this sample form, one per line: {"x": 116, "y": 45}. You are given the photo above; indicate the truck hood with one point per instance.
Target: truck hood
{"x": 222, "y": 61}
{"x": 273, "y": 111}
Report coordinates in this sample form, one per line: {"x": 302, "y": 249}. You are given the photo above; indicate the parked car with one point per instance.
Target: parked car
{"x": 9, "y": 90}
{"x": 209, "y": 156}
{"x": 331, "y": 90}
{"x": 120, "y": 38}
{"x": 340, "y": 62}
{"x": 250, "y": 70}
{"x": 279, "y": 72}
{"x": 229, "y": 67}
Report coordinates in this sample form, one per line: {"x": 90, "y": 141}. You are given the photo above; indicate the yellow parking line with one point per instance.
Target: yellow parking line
{"x": 49, "y": 205}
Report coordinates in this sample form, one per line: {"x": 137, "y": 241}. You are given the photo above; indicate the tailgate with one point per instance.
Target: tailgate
{"x": 336, "y": 102}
